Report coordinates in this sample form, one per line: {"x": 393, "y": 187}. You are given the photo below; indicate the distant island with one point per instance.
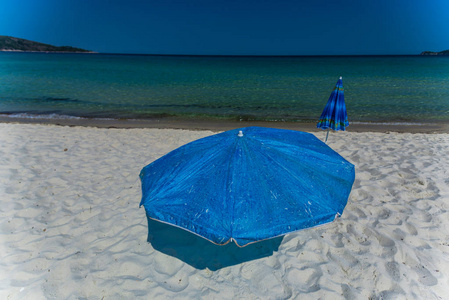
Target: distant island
{"x": 445, "y": 52}
{"x": 12, "y": 44}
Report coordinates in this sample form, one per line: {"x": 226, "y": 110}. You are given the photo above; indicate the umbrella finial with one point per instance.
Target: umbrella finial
{"x": 240, "y": 133}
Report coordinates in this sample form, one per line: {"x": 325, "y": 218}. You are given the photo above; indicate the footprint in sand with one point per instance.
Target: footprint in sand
{"x": 167, "y": 272}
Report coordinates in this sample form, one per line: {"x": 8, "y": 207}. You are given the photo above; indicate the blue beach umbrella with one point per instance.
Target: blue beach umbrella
{"x": 247, "y": 185}
{"x": 334, "y": 115}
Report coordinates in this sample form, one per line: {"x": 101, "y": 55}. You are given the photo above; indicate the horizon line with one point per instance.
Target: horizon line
{"x": 213, "y": 55}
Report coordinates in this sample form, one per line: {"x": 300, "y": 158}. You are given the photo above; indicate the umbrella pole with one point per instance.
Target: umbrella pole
{"x": 327, "y": 134}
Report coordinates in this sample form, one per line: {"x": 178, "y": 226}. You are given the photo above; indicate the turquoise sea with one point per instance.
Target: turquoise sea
{"x": 378, "y": 89}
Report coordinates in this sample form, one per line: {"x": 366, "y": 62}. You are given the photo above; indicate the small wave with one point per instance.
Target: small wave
{"x": 47, "y": 116}
{"x": 55, "y": 99}
{"x": 391, "y": 123}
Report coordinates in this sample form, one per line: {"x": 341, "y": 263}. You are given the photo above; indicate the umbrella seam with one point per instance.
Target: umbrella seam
{"x": 228, "y": 184}
{"x": 293, "y": 175}
{"x": 337, "y": 215}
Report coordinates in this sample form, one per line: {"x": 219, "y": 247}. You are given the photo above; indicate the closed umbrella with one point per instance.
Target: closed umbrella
{"x": 334, "y": 115}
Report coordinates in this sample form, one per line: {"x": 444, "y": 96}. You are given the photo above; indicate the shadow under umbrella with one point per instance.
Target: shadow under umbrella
{"x": 199, "y": 252}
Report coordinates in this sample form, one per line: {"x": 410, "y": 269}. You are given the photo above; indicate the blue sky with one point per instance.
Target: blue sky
{"x": 232, "y": 27}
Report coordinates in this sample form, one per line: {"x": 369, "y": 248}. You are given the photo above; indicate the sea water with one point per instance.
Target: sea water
{"x": 377, "y": 89}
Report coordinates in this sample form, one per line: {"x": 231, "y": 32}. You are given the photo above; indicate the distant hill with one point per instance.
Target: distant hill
{"x": 445, "y": 52}
{"x": 8, "y": 43}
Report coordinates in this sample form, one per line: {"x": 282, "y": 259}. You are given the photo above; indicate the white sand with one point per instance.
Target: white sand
{"x": 71, "y": 228}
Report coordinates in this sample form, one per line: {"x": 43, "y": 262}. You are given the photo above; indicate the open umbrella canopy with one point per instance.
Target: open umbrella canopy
{"x": 334, "y": 115}
{"x": 247, "y": 185}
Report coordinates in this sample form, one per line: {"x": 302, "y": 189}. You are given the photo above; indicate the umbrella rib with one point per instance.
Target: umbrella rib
{"x": 211, "y": 154}
{"x": 299, "y": 179}
{"x": 309, "y": 151}
{"x": 228, "y": 185}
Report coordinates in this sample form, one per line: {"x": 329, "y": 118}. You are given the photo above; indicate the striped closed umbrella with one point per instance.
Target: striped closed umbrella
{"x": 334, "y": 115}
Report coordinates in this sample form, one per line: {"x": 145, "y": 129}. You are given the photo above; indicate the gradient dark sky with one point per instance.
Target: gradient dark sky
{"x": 248, "y": 27}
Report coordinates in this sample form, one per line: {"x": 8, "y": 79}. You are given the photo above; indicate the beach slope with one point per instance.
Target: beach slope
{"x": 71, "y": 226}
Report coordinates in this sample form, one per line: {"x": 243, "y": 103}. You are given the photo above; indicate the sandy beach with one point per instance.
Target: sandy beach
{"x": 71, "y": 226}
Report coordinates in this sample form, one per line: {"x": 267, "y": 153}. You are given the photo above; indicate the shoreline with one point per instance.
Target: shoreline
{"x": 222, "y": 125}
